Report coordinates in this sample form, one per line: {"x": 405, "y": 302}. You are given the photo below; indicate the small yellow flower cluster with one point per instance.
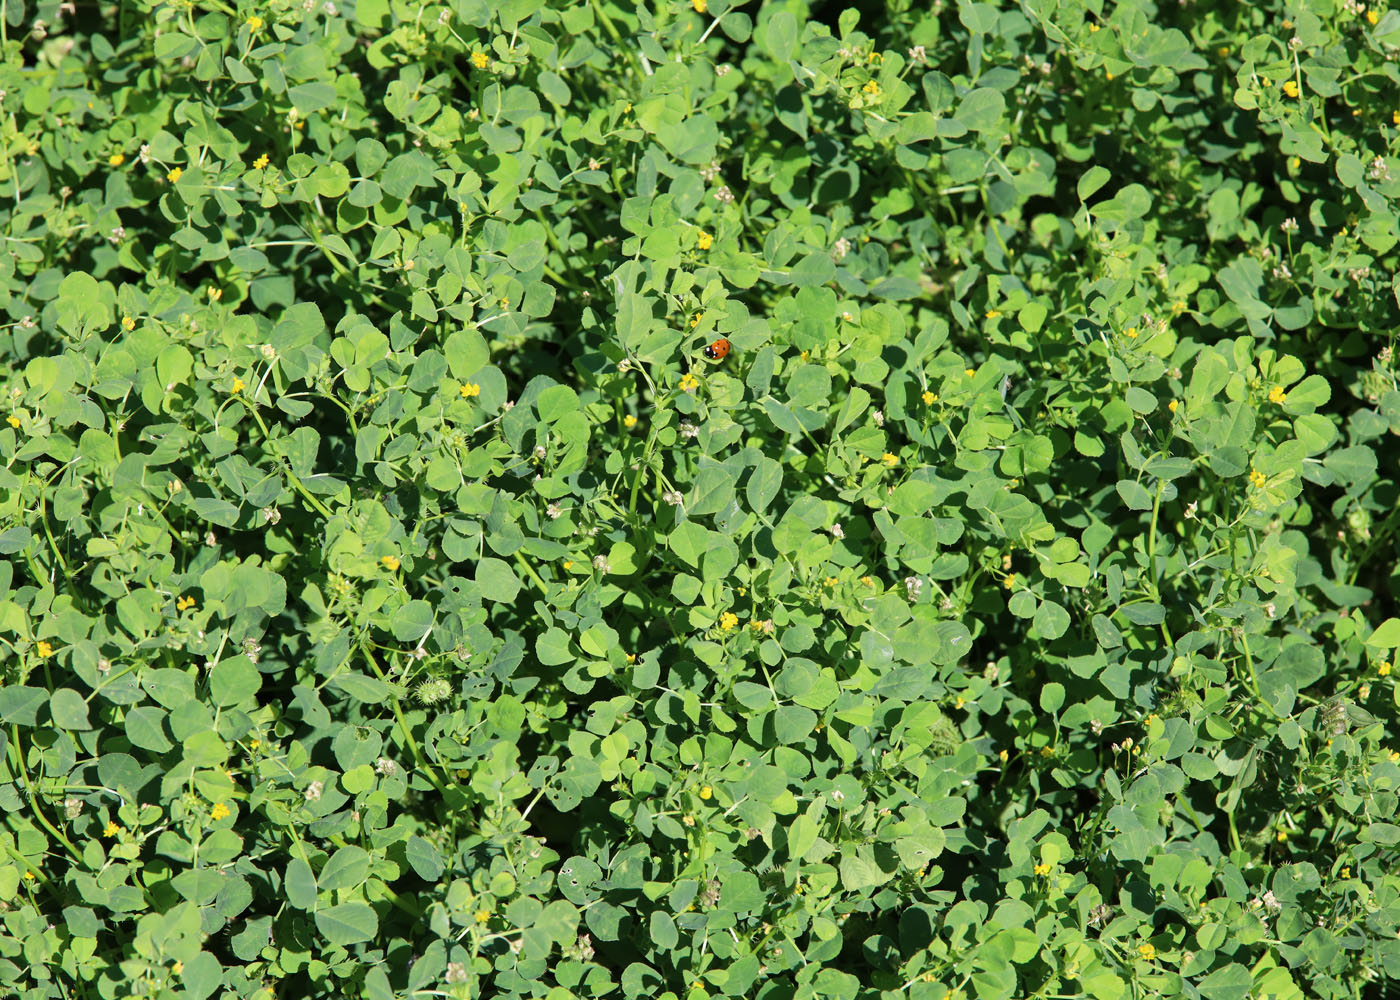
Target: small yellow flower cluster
{"x": 481, "y": 60}
{"x": 261, "y": 162}
{"x": 705, "y": 240}
{"x": 1003, "y": 756}
{"x": 728, "y": 620}
{"x": 689, "y": 383}
{"x": 391, "y": 563}
{"x": 43, "y": 648}
{"x": 184, "y": 603}
{"x": 254, "y": 23}
{"x": 1257, "y": 478}
{"x": 220, "y": 811}
{"x": 1384, "y": 669}
{"x": 970, "y": 372}
{"x": 1290, "y": 87}
{"x": 1173, "y": 406}
{"x": 1147, "y": 951}
{"x": 1373, "y": 17}
{"x": 706, "y": 792}
{"x": 215, "y": 294}
{"x": 700, "y": 5}
{"x": 872, "y": 88}
{"x": 112, "y": 829}
{"x": 239, "y": 385}
{"x": 1277, "y": 396}
{"x": 116, "y": 159}
{"x": 482, "y": 916}
{"x": 128, "y": 324}
{"x": 890, "y": 460}
{"x": 695, "y": 320}
{"x": 629, "y": 421}
{"x": 470, "y": 390}
{"x": 13, "y": 421}
{"x": 929, "y": 397}
{"x": 993, "y": 313}
{"x": 1042, "y": 870}
{"x": 1009, "y": 582}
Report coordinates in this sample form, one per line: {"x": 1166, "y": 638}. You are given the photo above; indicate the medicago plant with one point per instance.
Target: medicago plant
{"x": 698, "y": 499}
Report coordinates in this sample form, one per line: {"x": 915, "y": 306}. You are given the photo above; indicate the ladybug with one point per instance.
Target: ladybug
{"x": 718, "y": 350}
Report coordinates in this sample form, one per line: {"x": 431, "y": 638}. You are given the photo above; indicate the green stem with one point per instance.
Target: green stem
{"x": 403, "y": 723}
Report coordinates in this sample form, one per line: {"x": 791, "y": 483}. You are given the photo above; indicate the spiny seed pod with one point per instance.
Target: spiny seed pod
{"x": 433, "y": 691}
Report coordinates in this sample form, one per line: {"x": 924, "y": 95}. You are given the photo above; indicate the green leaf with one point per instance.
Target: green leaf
{"x": 68, "y": 710}
{"x": 300, "y": 885}
{"x": 347, "y": 923}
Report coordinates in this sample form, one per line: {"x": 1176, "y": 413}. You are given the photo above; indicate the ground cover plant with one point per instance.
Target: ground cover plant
{"x": 398, "y": 601}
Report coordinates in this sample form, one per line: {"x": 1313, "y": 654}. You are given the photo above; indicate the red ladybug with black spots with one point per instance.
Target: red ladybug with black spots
{"x": 718, "y": 351}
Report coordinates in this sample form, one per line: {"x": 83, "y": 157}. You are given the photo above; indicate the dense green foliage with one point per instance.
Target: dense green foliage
{"x": 396, "y": 602}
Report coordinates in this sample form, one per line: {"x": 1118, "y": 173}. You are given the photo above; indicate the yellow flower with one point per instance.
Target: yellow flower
{"x": 178, "y": 968}
{"x": 29, "y": 876}
{"x": 1393, "y": 756}
{"x": 260, "y": 162}
{"x": 254, "y": 23}
{"x": 1290, "y": 87}
{"x": 700, "y": 5}
{"x": 695, "y": 320}
{"x": 1047, "y": 751}
{"x": 1042, "y": 869}
{"x": 889, "y": 459}
{"x": 631, "y": 657}
{"x": 1277, "y": 395}
{"x": 1281, "y": 836}
{"x": 1395, "y": 117}
{"x": 568, "y": 565}
{"x": 689, "y": 382}
{"x": 391, "y": 563}
{"x": 1009, "y": 581}
{"x": 1178, "y": 307}
{"x": 688, "y": 820}
{"x": 1172, "y": 406}
{"x": 1004, "y": 756}
{"x": 254, "y": 744}
{"x": 629, "y": 421}
{"x": 868, "y": 581}
{"x": 831, "y": 581}
{"x": 960, "y": 702}
{"x": 1384, "y": 669}
{"x": 112, "y": 829}
{"x": 705, "y": 241}
{"x": 469, "y": 390}
{"x": 1147, "y": 951}
{"x": 215, "y": 294}
{"x": 116, "y": 159}
{"x": 1257, "y": 478}
{"x": 993, "y": 313}
{"x": 1372, "y": 17}
{"x": 1346, "y": 871}
{"x": 706, "y": 791}
{"x": 728, "y": 620}
{"x": 128, "y": 323}
{"x": 872, "y": 88}
{"x": 239, "y": 385}
{"x": 929, "y": 397}
{"x": 480, "y": 60}
{"x": 43, "y": 648}
{"x": 1093, "y": 28}
{"x": 185, "y": 603}
{"x": 220, "y": 811}
{"x": 970, "y": 372}
{"x": 13, "y": 421}
{"x": 482, "y": 916}
{"x": 174, "y": 176}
